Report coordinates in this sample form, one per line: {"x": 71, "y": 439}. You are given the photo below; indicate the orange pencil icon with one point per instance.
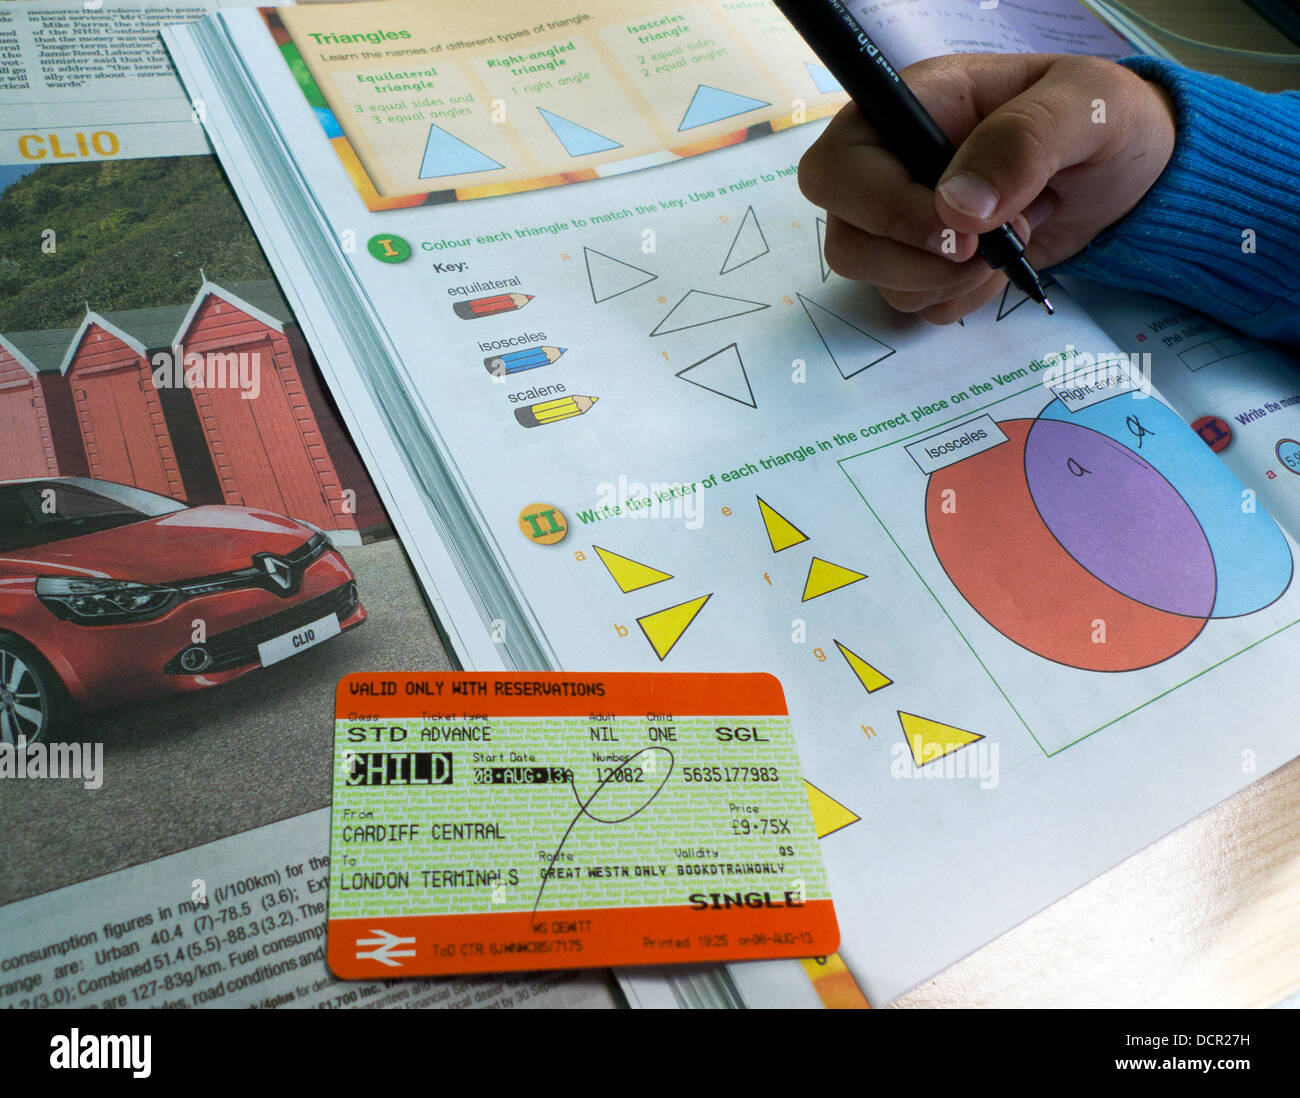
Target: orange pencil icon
{"x": 551, "y": 411}
{"x": 490, "y": 306}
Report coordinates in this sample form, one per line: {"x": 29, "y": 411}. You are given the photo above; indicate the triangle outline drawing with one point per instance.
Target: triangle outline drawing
{"x": 1004, "y": 311}
{"x": 756, "y": 306}
{"x": 664, "y": 628}
{"x": 921, "y": 732}
{"x": 736, "y": 364}
{"x": 710, "y": 104}
{"x": 779, "y": 528}
{"x": 755, "y": 249}
{"x": 872, "y": 678}
{"x": 445, "y": 154}
{"x": 832, "y": 330}
{"x": 608, "y": 275}
{"x": 630, "y": 575}
{"x": 827, "y": 578}
{"x": 576, "y": 138}
{"x": 821, "y": 76}
{"x": 829, "y": 816}
{"x": 821, "y": 248}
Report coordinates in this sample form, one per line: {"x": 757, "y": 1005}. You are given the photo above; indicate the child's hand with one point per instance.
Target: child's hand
{"x": 1032, "y": 150}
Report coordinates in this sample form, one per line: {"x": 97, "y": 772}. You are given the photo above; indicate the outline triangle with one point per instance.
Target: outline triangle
{"x": 922, "y": 733}
{"x": 872, "y": 678}
{"x": 630, "y": 575}
{"x": 775, "y": 522}
{"x": 750, "y": 222}
{"x": 829, "y": 816}
{"x": 574, "y": 136}
{"x": 831, "y": 330}
{"x": 446, "y": 154}
{"x": 723, "y": 366}
{"x": 758, "y": 306}
{"x": 829, "y": 577}
{"x": 664, "y": 628}
{"x": 610, "y": 273}
{"x": 710, "y": 104}
{"x": 1003, "y": 311}
{"x": 821, "y": 76}
{"x": 821, "y": 248}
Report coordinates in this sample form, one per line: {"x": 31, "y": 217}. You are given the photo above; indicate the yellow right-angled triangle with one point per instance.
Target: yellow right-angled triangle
{"x": 664, "y": 628}
{"x": 871, "y": 679}
{"x": 630, "y": 575}
{"x": 781, "y": 532}
{"x": 828, "y": 814}
{"x": 930, "y": 740}
{"x": 823, "y": 577}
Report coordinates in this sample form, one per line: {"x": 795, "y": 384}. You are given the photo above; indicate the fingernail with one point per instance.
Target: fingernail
{"x": 969, "y": 193}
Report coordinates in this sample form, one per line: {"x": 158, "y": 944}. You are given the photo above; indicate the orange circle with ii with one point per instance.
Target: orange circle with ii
{"x": 543, "y": 523}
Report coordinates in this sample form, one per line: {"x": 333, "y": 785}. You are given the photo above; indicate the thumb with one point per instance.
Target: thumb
{"x": 1008, "y": 158}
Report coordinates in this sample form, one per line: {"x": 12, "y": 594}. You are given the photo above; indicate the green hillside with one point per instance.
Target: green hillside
{"x": 128, "y": 234}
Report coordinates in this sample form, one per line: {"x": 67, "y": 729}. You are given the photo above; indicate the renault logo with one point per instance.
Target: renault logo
{"x": 278, "y": 570}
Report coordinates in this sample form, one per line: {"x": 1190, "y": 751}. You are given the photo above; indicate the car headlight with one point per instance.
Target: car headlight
{"x": 104, "y": 601}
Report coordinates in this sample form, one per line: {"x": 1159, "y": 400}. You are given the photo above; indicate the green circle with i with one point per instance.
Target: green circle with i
{"x": 388, "y": 248}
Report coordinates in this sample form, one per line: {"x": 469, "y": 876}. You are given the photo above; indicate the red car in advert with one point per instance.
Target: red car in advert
{"x": 110, "y": 594}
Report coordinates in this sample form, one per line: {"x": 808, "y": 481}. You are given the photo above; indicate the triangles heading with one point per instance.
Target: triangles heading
{"x": 781, "y": 532}
{"x": 630, "y": 575}
{"x": 824, "y": 577}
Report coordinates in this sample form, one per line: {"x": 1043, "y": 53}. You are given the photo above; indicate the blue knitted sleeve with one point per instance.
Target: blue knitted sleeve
{"x": 1220, "y": 229}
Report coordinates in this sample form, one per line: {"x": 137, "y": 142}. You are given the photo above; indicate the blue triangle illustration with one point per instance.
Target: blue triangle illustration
{"x": 825, "y": 82}
{"x": 711, "y": 104}
{"x": 448, "y": 155}
{"x": 577, "y": 140}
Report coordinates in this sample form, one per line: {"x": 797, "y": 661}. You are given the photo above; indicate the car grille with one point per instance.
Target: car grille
{"x": 237, "y": 647}
{"x": 296, "y": 563}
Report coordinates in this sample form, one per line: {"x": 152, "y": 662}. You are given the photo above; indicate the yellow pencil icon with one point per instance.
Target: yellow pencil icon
{"x": 551, "y": 411}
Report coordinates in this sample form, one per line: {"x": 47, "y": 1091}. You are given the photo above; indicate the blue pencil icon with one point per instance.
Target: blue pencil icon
{"x": 517, "y": 361}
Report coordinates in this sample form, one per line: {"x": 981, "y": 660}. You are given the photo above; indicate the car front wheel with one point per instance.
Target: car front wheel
{"x": 31, "y": 695}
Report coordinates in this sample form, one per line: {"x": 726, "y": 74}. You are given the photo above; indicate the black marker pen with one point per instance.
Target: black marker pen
{"x": 905, "y": 126}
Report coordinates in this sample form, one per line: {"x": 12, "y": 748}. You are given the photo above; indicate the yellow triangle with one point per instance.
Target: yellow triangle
{"x": 870, "y": 678}
{"x": 930, "y": 740}
{"x": 823, "y": 576}
{"x": 630, "y": 575}
{"x": 664, "y": 628}
{"x": 781, "y": 532}
{"x": 828, "y": 814}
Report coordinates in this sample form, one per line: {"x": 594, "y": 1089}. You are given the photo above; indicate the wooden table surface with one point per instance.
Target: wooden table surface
{"x": 1209, "y": 915}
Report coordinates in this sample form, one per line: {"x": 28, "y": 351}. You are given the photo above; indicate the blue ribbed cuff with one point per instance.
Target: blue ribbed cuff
{"x": 1235, "y": 167}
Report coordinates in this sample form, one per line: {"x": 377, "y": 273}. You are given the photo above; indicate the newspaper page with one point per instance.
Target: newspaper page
{"x": 191, "y": 556}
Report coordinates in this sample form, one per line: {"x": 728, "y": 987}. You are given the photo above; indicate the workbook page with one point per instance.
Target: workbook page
{"x": 1027, "y": 622}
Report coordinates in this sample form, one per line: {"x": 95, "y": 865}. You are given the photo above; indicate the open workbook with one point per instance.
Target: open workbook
{"x": 559, "y": 275}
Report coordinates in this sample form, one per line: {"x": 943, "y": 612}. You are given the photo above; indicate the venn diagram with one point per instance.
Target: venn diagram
{"x": 1105, "y": 538}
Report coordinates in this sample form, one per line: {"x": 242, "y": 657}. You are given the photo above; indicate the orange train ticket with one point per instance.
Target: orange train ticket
{"x": 514, "y": 821}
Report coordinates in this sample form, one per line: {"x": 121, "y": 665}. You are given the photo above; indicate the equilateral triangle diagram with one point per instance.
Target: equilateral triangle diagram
{"x": 577, "y": 140}
{"x": 749, "y": 244}
{"x": 610, "y": 277}
{"x": 851, "y": 349}
{"x": 710, "y": 104}
{"x": 700, "y": 307}
{"x": 723, "y": 373}
{"x": 445, "y": 154}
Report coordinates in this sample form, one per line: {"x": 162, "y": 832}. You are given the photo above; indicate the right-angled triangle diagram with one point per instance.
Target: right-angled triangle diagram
{"x": 851, "y": 349}
{"x": 700, "y": 307}
{"x": 609, "y": 277}
{"x": 1013, "y": 298}
{"x": 723, "y": 372}
{"x": 446, "y": 154}
{"x": 749, "y": 244}
{"x": 577, "y": 140}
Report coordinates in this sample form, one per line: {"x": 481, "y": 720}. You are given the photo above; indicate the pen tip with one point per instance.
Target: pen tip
{"x": 1048, "y": 306}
